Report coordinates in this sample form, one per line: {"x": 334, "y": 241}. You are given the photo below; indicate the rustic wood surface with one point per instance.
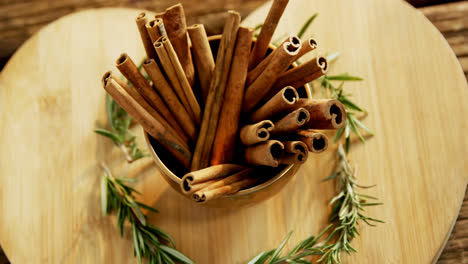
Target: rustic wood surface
{"x": 450, "y": 19}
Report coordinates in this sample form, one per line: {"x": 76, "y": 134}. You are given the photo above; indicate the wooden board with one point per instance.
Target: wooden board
{"x": 414, "y": 89}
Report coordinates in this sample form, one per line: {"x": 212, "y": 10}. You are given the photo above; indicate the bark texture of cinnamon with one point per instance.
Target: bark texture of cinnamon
{"x": 207, "y": 174}
{"x": 168, "y": 95}
{"x": 171, "y": 75}
{"x": 316, "y": 142}
{"x": 226, "y": 132}
{"x": 255, "y": 72}
{"x": 218, "y": 183}
{"x": 128, "y": 69}
{"x": 203, "y": 57}
{"x": 265, "y": 81}
{"x": 205, "y": 196}
{"x": 324, "y": 113}
{"x": 147, "y": 121}
{"x": 266, "y": 33}
{"x": 176, "y": 29}
{"x": 141, "y": 21}
{"x": 302, "y": 74}
{"x": 283, "y": 101}
{"x": 291, "y": 121}
{"x": 267, "y": 153}
{"x": 202, "y": 153}
{"x": 184, "y": 83}
{"x": 140, "y": 100}
{"x": 256, "y": 133}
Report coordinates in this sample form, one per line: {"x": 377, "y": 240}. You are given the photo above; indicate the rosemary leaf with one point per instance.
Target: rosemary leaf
{"x": 306, "y": 25}
{"x": 177, "y": 255}
{"x": 277, "y": 252}
{"x": 107, "y": 133}
{"x": 104, "y": 194}
{"x": 256, "y": 258}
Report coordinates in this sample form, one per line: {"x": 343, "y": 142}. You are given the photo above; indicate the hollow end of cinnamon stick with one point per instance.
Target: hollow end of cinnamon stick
{"x": 295, "y": 41}
{"x": 319, "y": 143}
{"x": 322, "y": 63}
{"x": 255, "y": 133}
{"x": 122, "y": 59}
{"x": 290, "y": 95}
{"x": 316, "y": 142}
{"x": 105, "y": 78}
{"x": 302, "y": 116}
{"x": 336, "y": 113}
{"x": 154, "y": 23}
{"x": 267, "y": 153}
{"x": 186, "y": 184}
{"x": 312, "y": 43}
{"x": 140, "y": 16}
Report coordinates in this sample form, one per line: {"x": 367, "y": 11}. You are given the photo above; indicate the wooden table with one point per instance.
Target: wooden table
{"x": 20, "y": 20}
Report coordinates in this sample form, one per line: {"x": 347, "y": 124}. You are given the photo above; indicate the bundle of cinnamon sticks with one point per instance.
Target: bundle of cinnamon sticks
{"x": 224, "y": 119}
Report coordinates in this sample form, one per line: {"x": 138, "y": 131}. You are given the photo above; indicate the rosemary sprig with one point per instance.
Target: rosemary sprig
{"x": 306, "y": 25}
{"x": 119, "y": 131}
{"x": 347, "y": 213}
{"x": 352, "y": 109}
{"x": 148, "y": 241}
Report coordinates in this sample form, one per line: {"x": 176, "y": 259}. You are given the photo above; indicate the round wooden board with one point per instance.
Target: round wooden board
{"x": 414, "y": 89}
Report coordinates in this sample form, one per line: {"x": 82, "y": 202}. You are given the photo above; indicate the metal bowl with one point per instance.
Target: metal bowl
{"x": 172, "y": 171}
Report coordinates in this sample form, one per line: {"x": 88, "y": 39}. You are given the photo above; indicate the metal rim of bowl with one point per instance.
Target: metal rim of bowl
{"x": 256, "y": 188}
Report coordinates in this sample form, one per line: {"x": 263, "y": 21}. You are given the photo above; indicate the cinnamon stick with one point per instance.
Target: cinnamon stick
{"x": 203, "y": 56}
{"x": 172, "y": 75}
{"x": 282, "y": 101}
{"x": 128, "y": 69}
{"x": 226, "y": 132}
{"x": 168, "y": 95}
{"x": 154, "y": 29}
{"x": 217, "y": 183}
{"x": 208, "y": 174}
{"x": 295, "y": 146}
{"x": 175, "y": 25}
{"x": 316, "y": 142}
{"x": 302, "y": 74}
{"x": 191, "y": 188}
{"x": 148, "y": 122}
{"x": 266, "y": 33}
{"x": 265, "y": 81}
{"x": 183, "y": 140}
{"x": 255, "y": 72}
{"x": 205, "y": 196}
{"x": 293, "y": 158}
{"x": 141, "y": 21}
{"x": 296, "y": 152}
{"x": 202, "y": 153}
{"x": 291, "y": 121}
{"x": 308, "y": 46}
{"x": 184, "y": 83}
{"x": 255, "y": 133}
{"x": 324, "y": 113}
{"x": 267, "y": 153}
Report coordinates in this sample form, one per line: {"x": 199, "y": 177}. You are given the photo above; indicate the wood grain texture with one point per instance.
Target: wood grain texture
{"x": 20, "y": 19}
{"x": 49, "y": 178}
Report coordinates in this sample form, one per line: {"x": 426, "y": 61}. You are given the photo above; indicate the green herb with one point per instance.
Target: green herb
{"x": 119, "y": 131}
{"x": 347, "y": 212}
{"x": 149, "y": 242}
{"x": 306, "y": 25}
{"x": 352, "y": 109}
